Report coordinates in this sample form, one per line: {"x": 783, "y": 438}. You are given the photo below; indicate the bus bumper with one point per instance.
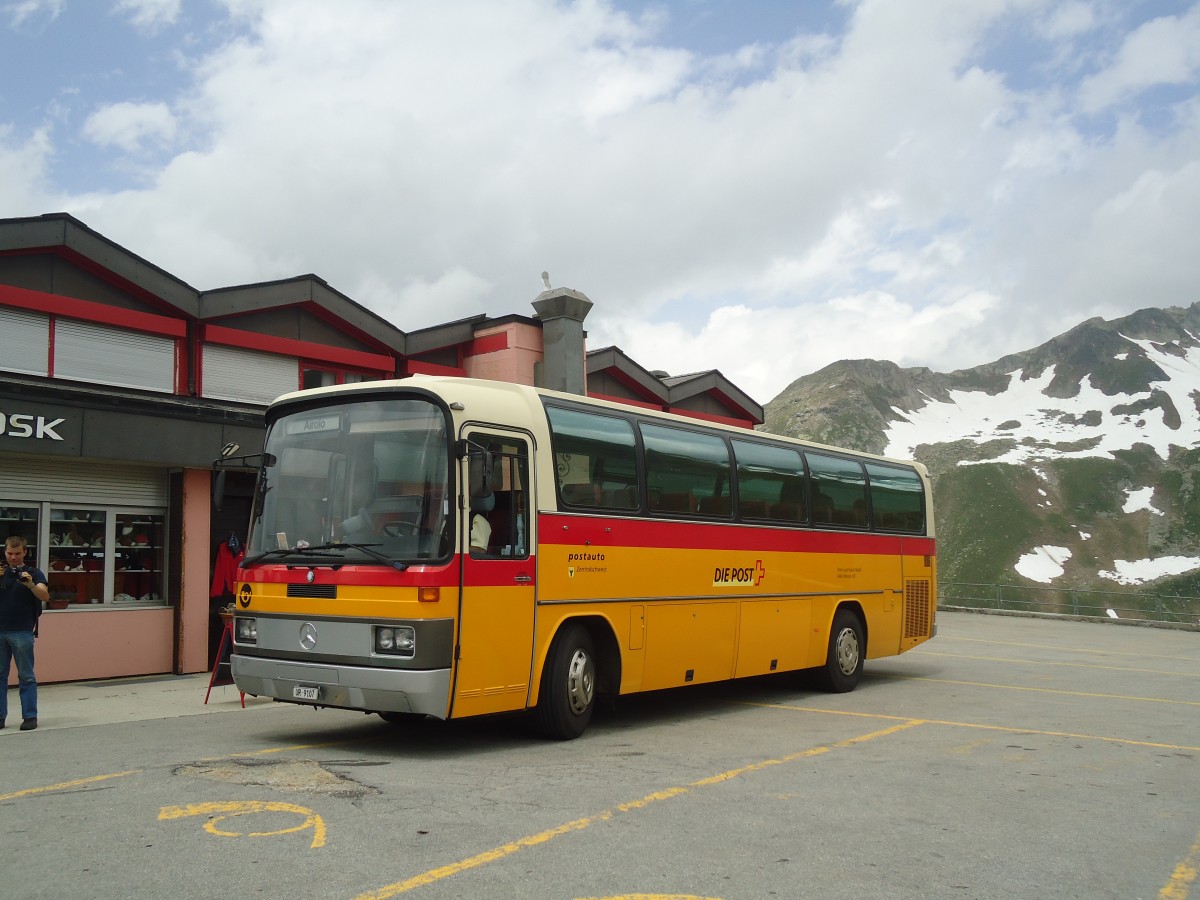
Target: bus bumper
{"x": 424, "y": 692}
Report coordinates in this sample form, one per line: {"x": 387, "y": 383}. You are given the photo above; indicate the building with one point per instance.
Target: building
{"x": 120, "y": 384}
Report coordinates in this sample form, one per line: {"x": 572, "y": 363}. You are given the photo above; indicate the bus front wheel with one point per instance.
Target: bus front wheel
{"x": 568, "y": 692}
{"x": 847, "y": 651}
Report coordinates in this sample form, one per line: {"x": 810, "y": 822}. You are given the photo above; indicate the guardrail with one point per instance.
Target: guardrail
{"x": 1138, "y": 606}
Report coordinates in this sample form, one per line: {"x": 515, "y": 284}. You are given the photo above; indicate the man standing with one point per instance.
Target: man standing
{"x": 23, "y": 589}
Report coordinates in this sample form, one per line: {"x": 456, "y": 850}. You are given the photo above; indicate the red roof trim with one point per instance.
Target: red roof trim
{"x": 628, "y": 402}
{"x": 489, "y": 343}
{"x": 709, "y": 417}
{"x": 249, "y": 340}
{"x": 418, "y": 367}
{"x": 89, "y": 311}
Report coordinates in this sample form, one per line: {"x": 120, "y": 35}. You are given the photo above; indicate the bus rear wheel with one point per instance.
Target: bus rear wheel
{"x": 847, "y": 652}
{"x": 568, "y": 692}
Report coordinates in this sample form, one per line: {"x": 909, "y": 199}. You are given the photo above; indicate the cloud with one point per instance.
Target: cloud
{"x": 131, "y": 126}
{"x": 906, "y": 187}
{"x": 24, "y": 12}
{"x": 24, "y": 166}
{"x": 150, "y": 15}
{"x": 769, "y": 348}
{"x": 1163, "y": 51}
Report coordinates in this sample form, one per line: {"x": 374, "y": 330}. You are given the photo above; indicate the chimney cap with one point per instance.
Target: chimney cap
{"x": 562, "y": 303}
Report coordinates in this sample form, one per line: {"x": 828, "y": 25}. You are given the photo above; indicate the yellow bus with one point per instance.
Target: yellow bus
{"x": 453, "y": 547}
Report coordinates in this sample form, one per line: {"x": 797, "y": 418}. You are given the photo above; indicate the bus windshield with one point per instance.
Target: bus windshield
{"x": 361, "y": 480}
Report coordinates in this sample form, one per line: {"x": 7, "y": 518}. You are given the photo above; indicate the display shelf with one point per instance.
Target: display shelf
{"x": 106, "y": 557}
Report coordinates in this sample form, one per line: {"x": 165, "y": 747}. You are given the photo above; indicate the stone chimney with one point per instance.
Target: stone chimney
{"x": 562, "y": 312}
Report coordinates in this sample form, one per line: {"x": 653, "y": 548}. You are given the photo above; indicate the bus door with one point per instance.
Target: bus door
{"x": 496, "y": 612}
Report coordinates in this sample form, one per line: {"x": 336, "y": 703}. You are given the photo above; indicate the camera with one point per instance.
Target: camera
{"x": 14, "y": 572}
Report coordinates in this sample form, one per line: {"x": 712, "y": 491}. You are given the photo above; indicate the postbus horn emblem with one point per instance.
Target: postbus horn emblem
{"x": 308, "y": 635}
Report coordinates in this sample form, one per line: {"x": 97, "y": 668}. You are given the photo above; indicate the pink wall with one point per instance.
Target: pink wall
{"x": 193, "y": 616}
{"x": 513, "y": 364}
{"x": 76, "y": 645}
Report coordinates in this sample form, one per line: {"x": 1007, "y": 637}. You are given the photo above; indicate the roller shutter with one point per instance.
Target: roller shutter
{"x": 247, "y": 376}
{"x": 70, "y": 481}
{"x": 84, "y": 351}
{"x": 25, "y": 342}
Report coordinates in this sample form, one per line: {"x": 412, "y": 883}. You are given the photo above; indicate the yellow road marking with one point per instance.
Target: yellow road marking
{"x": 488, "y": 856}
{"x": 1069, "y": 665}
{"x": 1184, "y": 875}
{"x": 227, "y": 809}
{"x": 1058, "y": 648}
{"x": 976, "y": 725}
{"x": 1038, "y": 690}
{"x": 542, "y": 837}
{"x": 66, "y": 785}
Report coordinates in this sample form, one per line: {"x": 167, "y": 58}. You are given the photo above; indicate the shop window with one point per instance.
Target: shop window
{"x": 105, "y": 557}
{"x": 21, "y": 521}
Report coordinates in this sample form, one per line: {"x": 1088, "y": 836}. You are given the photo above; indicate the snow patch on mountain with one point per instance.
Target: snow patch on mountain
{"x": 1030, "y": 426}
{"x": 1136, "y": 500}
{"x": 1139, "y": 571}
{"x": 1043, "y": 564}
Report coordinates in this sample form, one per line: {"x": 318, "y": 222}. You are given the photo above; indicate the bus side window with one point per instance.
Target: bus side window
{"x": 499, "y": 525}
{"x": 771, "y": 482}
{"x": 838, "y": 487}
{"x": 595, "y": 459}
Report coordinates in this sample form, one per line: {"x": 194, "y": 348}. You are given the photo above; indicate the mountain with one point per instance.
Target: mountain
{"x": 1074, "y": 465}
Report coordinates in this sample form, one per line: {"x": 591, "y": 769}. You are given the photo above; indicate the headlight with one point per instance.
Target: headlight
{"x": 396, "y": 640}
{"x": 246, "y": 630}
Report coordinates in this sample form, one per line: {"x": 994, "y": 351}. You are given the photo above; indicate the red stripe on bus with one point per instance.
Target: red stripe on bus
{"x": 612, "y": 531}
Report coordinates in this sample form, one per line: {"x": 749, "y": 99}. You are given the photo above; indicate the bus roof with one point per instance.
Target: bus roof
{"x": 525, "y": 399}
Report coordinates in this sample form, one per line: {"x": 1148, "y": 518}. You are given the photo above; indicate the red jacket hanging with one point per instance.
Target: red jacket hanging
{"x": 225, "y": 571}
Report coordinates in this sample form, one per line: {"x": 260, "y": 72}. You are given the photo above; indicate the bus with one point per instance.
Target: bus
{"x": 453, "y": 547}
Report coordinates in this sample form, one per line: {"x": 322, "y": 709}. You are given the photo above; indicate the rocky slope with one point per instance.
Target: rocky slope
{"x": 1074, "y": 465}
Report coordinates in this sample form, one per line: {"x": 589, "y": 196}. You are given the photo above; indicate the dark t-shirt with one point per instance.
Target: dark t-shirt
{"x": 19, "y": 608}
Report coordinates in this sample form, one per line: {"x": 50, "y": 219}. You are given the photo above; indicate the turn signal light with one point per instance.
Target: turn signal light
{"x": 429, "y": 594}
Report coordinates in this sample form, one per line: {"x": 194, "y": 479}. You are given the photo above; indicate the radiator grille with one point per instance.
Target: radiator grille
{"x": 317, "y": 591}
{"x": 917, "y": 614}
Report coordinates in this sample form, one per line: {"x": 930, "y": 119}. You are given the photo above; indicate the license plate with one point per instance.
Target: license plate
{"x": 303, "y": 692}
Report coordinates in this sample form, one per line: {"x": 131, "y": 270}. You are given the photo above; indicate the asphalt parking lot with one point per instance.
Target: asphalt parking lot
{"x": 1009, "y": 757}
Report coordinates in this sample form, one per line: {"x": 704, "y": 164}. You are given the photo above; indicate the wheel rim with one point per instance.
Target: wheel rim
{"x": 581, "y": 681}
{"x": 846, "y": 651}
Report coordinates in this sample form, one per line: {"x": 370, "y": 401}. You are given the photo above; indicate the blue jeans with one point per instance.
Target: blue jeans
{"x": 18, "y": 645}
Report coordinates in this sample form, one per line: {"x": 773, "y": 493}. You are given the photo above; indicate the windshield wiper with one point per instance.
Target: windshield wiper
{"x": 365, "y": 548}
{"x": 286, "y": 551}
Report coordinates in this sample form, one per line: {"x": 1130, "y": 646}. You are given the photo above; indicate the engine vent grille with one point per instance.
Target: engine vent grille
{"x": 917, "y": 614}
{"x": 317, "y": 591}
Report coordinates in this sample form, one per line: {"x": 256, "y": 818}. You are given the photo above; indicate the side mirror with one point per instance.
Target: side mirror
{"x": 218, "y": 490}
{"x": 479, "y": 473}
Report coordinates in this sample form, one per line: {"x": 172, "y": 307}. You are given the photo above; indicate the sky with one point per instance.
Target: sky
{"x": 756, "y": 186}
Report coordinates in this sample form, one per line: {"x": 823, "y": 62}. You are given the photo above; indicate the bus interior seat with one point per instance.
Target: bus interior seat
{"x": 716, "y": 506}
{"x": 755, "y": 509}
{"x": 500, "y": 518}
{"x": 620, "y": 498}
{"x": 823, "y": 512}
{"x": 786, "y": 512}
{"x": 677, "y": 502}
{"x": 579, "y": 494}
